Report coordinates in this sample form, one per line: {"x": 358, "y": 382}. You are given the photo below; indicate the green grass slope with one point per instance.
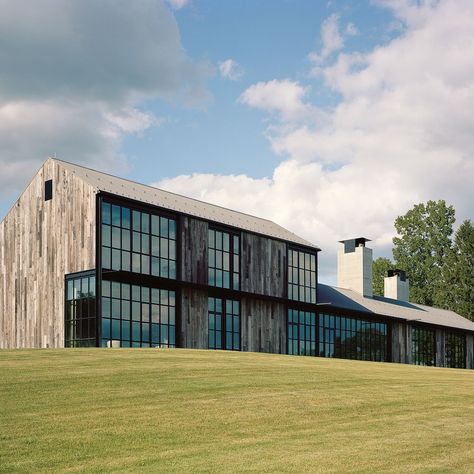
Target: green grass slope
{"x": 201, "y": 411}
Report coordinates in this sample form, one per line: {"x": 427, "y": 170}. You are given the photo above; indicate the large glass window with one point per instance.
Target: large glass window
{"x": 423, "y": 346}
{"x": 139, "y": 242}
{"x": 81, "y": 321}
{"x": 137, "y": 316}
{"x": 224, "y": 324}
{"x": 455, "y": 350}
{"x": 301, "y": 276}
{"x": 352, "y": 338}
{"x": 301, "y": 332}
{"x": 224, "y": 259}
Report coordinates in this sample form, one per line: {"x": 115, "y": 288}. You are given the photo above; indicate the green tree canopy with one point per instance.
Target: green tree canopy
{"x": 423, "y": 242}
{"x": 458, "y": 273}
{"x": 380, "y": 268}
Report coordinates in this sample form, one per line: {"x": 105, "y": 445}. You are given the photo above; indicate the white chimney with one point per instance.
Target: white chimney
{"x": 396, "y": 285}
{"x": 354, "y": 266}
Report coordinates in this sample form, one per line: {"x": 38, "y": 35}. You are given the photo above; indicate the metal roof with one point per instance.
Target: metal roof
{"x": 378, "y": 305}
{"x": 175, "y": 202}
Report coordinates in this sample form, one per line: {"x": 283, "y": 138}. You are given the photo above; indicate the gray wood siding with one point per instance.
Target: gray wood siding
{"x": 440, "y": 348}
{"x": 193, "y": 243}
{"x": 469, "y": 351}
{"x": 40, "y": 242}
{"x": 399, "y": 342}
{"x": 263, "y": 326}
{"x": 263, "y": 265}
{"x": 193, "y": 332}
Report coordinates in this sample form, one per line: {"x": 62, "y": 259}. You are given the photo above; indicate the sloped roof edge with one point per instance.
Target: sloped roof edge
{"x": 175, "y": 202}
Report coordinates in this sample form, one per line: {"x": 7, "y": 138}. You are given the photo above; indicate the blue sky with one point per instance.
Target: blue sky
{"x": 329, "y": 117}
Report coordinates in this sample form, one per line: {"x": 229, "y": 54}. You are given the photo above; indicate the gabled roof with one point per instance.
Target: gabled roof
{"x": 175, "y": 202}
{"x": 378, "y": 305}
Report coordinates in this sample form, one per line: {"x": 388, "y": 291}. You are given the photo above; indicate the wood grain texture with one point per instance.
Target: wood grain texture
{"x": 263, "y": 326}
{"x": 263, "y": 265}
{"x": 40, "y": 242}
{"x": 469, "y": 351}
{"x": 440, "y": 348}
{"x": 193, "y": 249}
{"x": 193, "y": 319}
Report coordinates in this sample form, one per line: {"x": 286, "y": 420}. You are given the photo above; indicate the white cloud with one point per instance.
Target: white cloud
{"x": 401, "y": 134}
{"x": 284, "y": 97}
{"x": 177, "y": 4}
{"x": 231, "y": 69}
{"x": 74, "y": 75}
{"x": 331, "y": 39}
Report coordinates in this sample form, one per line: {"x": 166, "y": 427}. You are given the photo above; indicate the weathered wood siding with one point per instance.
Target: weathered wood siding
{"x": 194, "y": 243}
{"x": 263, "y": 263}
{"x": 399, "y": 342}
{"x": 193, "y": 332}
{"x": 469, "y": 351}
{"x": 440, "y": 348}
{"x": 40, "y": 242}
{"x": 263, "y": 326}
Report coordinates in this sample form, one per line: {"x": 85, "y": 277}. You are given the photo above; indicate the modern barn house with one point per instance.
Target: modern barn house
{"x": 89, "y": 259}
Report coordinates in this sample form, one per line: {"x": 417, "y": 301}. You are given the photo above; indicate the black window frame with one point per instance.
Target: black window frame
{"x": 48, "y": 190}
{"x": 222, "y": 334}
{"x": 233, "y": 234}
{"x": 291, "y": 268}
{"x": 423, "y": 351}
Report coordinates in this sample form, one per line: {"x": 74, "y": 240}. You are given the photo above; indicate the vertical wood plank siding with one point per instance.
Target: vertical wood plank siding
{"x": 263, "y": 326}
{"x": 194, "y": 319}
{"x": 40, "y": 242}
{"x": 193, "y": 243}
{"x": 263, "y": 265}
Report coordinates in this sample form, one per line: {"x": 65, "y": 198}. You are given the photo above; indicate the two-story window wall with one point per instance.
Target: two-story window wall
{"x": 423, "y": 346}
{"x": 137, "y": 316}
{"x": 140, "y": 242}
{"x": 224, "y": 259}
{"x": 224, "y": 324}
{"x": 455, "y": 350}
{"x": 80, "y": 318}
{"x": 302, "y": 279}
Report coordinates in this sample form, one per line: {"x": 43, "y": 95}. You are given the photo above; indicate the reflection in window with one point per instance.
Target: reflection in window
{"x": 301, "y": 276}
{"x": 455, "y": 350}
{"x": 138, "y": 242}
{"x": 352, "y": 338}
{"x": 423, "y": 346}
{"x": 80, "y": 322}
{"x": 301, "y": 332}
{"x": 224, "y": 262}
{"x": 137, "y": 316}
{"x": 224, "y": 324}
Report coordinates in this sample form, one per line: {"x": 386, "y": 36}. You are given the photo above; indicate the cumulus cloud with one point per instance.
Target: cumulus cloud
{"x": 284, "y": 97}
{"x": 401, "y": 134}
{"x": 74, "y": 76}
{"x": 231, "y": 69}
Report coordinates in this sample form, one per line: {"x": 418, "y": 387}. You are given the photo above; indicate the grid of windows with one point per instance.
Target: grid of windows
{"x": 224, "y": 324}
{"x": 423, "y": 346}
{"x": 81, "y": 321}
{"x": 455, "y": 350}
{"x": 301, "y": 276}
{"x": 138, "y": 241}
{"x": 137, "y": 316}
{"x": 224, "y": 261}
{"x": 352, "y": 338}
{"x": 301, "y": 332}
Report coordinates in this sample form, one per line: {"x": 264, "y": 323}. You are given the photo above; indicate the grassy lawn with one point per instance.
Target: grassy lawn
{"x": 93, "y": 410}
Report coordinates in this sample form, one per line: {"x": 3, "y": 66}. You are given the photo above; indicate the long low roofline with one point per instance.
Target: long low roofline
{"x": 386, "y": 307}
